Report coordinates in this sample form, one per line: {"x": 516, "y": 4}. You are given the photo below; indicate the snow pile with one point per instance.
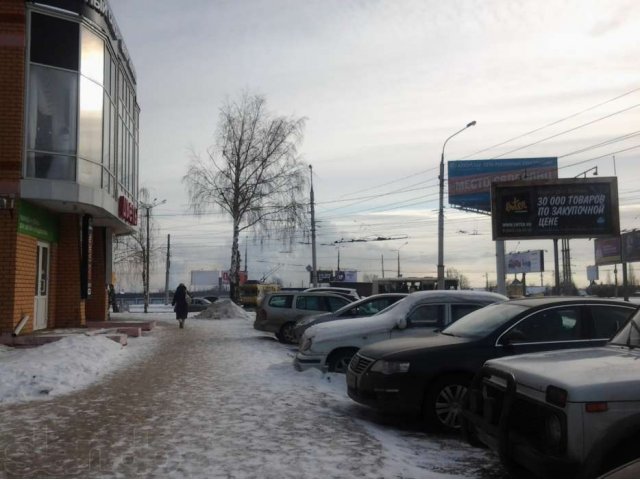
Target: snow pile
{"x": 224, "y": 309}
{"x": 55, "y": 368}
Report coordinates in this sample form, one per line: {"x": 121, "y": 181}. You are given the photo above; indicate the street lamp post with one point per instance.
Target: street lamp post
{"x": 148, "y": 207}
{"x": 441, "y": 211}
{"x": 405, "y": 243}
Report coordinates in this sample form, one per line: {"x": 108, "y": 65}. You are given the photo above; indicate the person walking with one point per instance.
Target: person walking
{"x": 112, "y": 299}
{"x": 181, "y": 303}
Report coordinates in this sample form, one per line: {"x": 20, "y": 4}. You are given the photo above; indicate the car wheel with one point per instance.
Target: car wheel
{"x": 444, "y": 401}
{"x": 286, "y": 333}
{"x": 339, "y": 359}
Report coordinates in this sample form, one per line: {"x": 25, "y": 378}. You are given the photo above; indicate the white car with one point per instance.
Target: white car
{"x": 331, "y": 345}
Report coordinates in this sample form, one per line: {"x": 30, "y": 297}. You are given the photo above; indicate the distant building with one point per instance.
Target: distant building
{"x": 68, "y": 159}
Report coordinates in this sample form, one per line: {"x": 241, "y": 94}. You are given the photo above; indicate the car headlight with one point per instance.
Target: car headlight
{"x": 305, "y": 344}
{"x": 389, "y": 368}
{"x": 553, "y": 431}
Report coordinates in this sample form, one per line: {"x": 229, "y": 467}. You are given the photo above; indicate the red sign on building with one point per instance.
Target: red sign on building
{"x": 127, "y": 211}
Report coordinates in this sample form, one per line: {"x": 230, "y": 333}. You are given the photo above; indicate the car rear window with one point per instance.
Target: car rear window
{"x": 281, "y": 301}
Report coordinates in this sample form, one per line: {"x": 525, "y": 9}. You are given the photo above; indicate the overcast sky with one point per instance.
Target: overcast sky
{"x": 382, "y": 85}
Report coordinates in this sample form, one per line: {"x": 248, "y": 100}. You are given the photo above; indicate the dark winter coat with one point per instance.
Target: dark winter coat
{"x": 181, "y": 307}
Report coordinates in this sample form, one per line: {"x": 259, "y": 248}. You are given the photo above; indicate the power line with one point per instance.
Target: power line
{"x": 599, "y": 157}
{"x": 593, "y": 107}
{"x": 568, "y": 131}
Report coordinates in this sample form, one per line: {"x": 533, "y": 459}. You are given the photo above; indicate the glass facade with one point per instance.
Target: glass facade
{"x": 82, "y": 115}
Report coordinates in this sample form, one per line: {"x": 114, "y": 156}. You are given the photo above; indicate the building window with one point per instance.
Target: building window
{"x": 92, "y": 57}
{"x": 90, "y": 131}
{"x": 81, "y": 116}
{"x": 54, "y": 42}
{"x": 51, "y": 127}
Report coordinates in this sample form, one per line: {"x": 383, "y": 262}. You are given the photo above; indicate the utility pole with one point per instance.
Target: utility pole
{"x": 314, "y": 270}
{"x": 148, "y": 207}
{"x": 166, "y": 275}
{"x": 146, "y": 267}
{"x": 382, "y": 262}
{"x": 246, "y": 275}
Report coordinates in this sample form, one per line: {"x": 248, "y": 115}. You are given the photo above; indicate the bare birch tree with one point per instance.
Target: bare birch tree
{"x": 252, "y": 173}
{"x": 129, "y": 251}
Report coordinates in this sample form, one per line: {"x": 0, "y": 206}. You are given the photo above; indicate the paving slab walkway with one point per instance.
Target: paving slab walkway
{"x": 199, "y": 405}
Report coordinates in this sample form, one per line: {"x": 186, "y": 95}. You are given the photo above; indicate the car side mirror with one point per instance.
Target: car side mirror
{"x": 401, "y": 323}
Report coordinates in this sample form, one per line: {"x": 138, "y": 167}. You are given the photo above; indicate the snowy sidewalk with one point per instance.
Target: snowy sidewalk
{"x": 219, "y": 399}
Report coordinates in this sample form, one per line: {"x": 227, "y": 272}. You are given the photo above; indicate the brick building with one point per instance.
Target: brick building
{"x": 68, "y": 159}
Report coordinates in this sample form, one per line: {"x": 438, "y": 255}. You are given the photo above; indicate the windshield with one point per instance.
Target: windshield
{"x": 629, "y": 335}
{"x": 484, "y": 321}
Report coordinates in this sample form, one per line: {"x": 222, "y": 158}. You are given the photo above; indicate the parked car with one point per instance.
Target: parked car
{"x": 573, "y": 412}
{"x": 349, "y": 293}
{"x": 331, "y": 345}
{"x": 278, "y": 312}
{"x": 198, "y": 304}
{"x": 628, "y": 470}
{"x": 365, "y": 307}
{"x": 430, "y": 376}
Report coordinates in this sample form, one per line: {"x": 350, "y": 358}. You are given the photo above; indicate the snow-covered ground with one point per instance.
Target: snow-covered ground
{"x": 72, "y": 363}
{"x": 253, "y": 417}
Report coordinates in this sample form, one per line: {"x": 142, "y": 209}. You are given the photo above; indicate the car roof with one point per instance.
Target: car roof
{"x": 556, "y": 300}
{"x": 464, "y": 295}
{"x": 303, "y": 293}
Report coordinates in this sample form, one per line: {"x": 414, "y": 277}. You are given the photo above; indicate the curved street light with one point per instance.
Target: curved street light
{"x": 441, "y": 211}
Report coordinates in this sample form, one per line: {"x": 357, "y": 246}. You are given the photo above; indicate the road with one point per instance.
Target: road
{"x": 218, "y": 399}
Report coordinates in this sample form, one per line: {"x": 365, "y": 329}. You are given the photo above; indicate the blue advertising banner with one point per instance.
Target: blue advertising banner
{"x": 470, "y": 180}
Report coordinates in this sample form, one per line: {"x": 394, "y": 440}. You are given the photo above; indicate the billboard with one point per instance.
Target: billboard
{"x": 345, "y": 276}
{"x": 204, "y": 278}
{"x": 470, "y": 180}
{"x": 631, "y": 246}
{"x": 524, "y": 262}
{"x": 607, "y": 251}
{"x": 242, "y": 277}
{"x": 324, "y": 276}
{"x": 564, "y": 208}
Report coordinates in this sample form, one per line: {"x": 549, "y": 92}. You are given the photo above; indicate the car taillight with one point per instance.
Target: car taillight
{"x": 596, "y": 407}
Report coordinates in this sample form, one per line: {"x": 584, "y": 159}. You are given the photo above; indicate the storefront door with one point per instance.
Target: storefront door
{"x": 42, "y": 287}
